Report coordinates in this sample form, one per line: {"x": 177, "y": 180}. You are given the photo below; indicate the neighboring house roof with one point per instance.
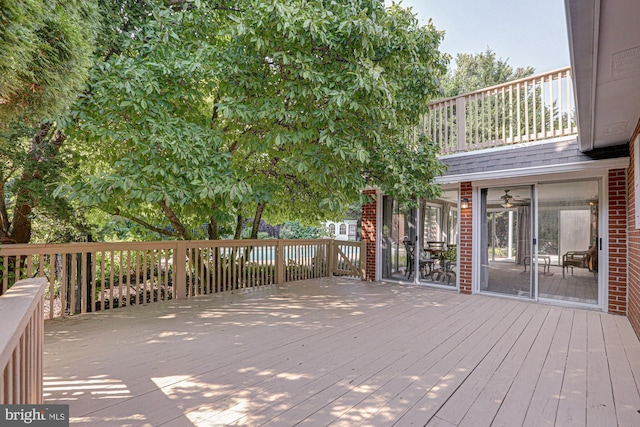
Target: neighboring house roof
{"x": 527, "y": 159}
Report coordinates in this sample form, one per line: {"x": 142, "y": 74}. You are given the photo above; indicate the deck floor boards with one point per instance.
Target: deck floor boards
{"x": 342, "y": 352}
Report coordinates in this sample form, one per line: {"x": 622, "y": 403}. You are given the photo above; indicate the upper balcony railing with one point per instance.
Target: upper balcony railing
{"x": 526, "y": 110}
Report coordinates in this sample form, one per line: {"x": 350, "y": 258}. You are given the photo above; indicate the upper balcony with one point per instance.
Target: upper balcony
{"x": 532, "y": 109}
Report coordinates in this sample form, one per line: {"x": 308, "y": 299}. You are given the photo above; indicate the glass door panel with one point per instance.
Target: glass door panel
{"x": 506, "y": 241}
{"x": 438, "y": 242}
{"x": 568, "y": 237}
{"x": 398, "y": 228}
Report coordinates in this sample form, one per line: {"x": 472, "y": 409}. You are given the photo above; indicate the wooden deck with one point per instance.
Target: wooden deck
{"x": 342, "y": 352}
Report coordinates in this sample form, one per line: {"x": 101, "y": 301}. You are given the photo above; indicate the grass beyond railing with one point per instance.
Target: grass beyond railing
{"x": 87, "y": 277}
{"x": 22, "y": 343}
{"x": 530, "y": 109}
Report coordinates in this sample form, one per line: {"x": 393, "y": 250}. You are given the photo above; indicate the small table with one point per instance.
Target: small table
{"x": 546, "y": 267}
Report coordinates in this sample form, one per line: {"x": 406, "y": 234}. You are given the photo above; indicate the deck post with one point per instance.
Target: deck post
{"x": 179, "y": 261}
{"x": 331, "y": 257}
{"x": 363, "y": 260}
{"x": 280, "y": 262}
{"x": 461, "y": 122}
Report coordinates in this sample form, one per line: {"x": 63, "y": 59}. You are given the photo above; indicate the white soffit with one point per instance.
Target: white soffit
{"x": 604, "y": 44}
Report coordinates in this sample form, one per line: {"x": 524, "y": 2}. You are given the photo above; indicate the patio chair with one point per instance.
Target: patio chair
{"x": 571, "y": 259}
{"x": 450, "y": 271}
{"x": 423, "y": 261}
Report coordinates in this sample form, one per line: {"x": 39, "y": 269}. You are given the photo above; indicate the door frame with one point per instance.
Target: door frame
{"x": 603, "y": 219}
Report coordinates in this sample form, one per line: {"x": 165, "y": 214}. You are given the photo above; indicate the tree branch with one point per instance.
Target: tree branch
{"x": 175, "y": 221}
{"x": 145, "y": 224}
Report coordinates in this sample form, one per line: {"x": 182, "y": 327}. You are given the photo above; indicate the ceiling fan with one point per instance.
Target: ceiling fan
{"x": 506, "y": 200}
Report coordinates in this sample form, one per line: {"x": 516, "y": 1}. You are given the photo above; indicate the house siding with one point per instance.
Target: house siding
{"x": 369, "y": 226}
{"x": 617, "y": 242}
{"x": 633, "y": 273}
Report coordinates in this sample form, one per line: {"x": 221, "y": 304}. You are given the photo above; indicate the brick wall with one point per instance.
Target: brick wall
{"x": 466, "y": 234}
{"x": 633, "y": 259}
{"x": 617, "y": 242}
{"x": 369, "y": 219}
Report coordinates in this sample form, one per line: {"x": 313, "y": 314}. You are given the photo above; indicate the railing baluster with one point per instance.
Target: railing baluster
{"x": 527, "y": 133}
{"x": 52, "y": 284}
{"x": 496, "y": 135}
{"x": 560, "y": 105}
{"x": 94, "y": 282}
{"x": 102, "y": 285}
{"x": 73, "y": 282}
{"x": 518, "y": 120}
{"x": 543, "y": 103}
{"x": 535, "y": 110}
{"x": 83, "y": 283}
{"x": 111, "y": 280}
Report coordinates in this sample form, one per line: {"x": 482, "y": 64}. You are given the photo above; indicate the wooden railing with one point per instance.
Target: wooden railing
{"x": 87, "y": 277}
{"x": 526, "y": 110}
{"x": 21, "y": 342}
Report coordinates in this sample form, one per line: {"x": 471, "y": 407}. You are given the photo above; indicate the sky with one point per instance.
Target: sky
{"x": 523, "y": 32}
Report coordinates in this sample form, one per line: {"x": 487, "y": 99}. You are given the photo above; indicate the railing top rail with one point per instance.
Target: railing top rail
{"x": 16, "y": 307}
{"x": 46, "y": 248}
{"x": 501, "y": 85}
{"x": 77, "y": 247}
{"x": 348, "y": 243}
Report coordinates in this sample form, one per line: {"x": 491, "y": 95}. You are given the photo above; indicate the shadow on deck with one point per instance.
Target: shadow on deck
{"x": 344, "y": 352}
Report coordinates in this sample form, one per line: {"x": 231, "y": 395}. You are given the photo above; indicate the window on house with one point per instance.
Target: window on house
{"x": 332, "y": 229}
{"x": 343, "y": 229}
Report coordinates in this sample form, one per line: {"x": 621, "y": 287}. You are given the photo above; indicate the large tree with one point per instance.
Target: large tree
{"x": 46, "y": 50}
{"x": 213, "y": 112}
{"x": 474, "y": 71}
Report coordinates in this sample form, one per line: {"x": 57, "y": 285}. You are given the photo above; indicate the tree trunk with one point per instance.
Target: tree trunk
{"x": 4, "y": 216}
{"x": 239, "y": 226}
{"x": 212, "y": 229}
{"x": 43, "y": 148}
{"x": 257, "y": 219}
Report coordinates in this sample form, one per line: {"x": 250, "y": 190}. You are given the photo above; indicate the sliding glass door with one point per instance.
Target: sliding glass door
{"x": 568, "y": 241}
{"x": 506, "y": 241}
{"x": 399, "y": 228}
{"x": 541, "y": 241}
{"x": 419, "y": 243}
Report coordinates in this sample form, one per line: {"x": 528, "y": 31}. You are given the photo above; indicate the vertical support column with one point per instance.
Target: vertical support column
{"x": 461, "y": 123}
{"x": 279, "y": 262}
{"x": 369, "y": 227}
{"x": 466, "y": 239}
{"x": 180, "y": 269}
{"x": 617, "y": 282}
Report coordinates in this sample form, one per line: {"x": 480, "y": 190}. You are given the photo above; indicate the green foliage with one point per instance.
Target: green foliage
{"x": 46, "y": 50}
{"x": 203, "y": 112}
{"x": 480, "y": 70}
{"x": 295, "y": 230}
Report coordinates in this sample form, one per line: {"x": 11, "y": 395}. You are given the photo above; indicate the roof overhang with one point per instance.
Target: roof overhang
{"x": 604, "y": 45}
